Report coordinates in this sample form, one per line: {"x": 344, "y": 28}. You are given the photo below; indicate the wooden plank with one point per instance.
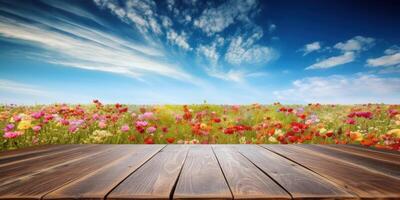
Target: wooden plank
{"x": 201, "y": 176}
{"x": 362, "y": 182}
{"x": 26, "y": 167}
{"x": 99, "y": 183}
{"x": 378, "y": 166}
{"x": 37, "y": 185}
{"x": 298, "y": 181}
{"x": 374, "y": 154}
{"x": 21, "y": 151}
{"x": 177, "y": 147}
{"x": 9, "y": 157}
{"x": 374, "y": 149}
{"x": 155, "y": 179}
{"x": 245, "y": 180}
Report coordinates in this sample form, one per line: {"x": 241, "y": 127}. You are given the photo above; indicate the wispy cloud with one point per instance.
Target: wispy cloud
{"x": 350, "y": 49}
{"x": 308, "y": 48}
{"x": 333, "y": 61}
{"x": 358, "y": 43}
{"x": 243, "y": 50}
{"x": 178, "y": 39}
{"x": 21, "y": 88}
{"x": 391, "y": 58}
{"x": 216, "y": 19}
{"x": 77, "y": 45}
{"x": 343, "y": 89}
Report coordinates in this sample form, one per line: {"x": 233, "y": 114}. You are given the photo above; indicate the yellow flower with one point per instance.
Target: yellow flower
{"x": 24, "y": 124}
{"x": 356, "y": 136}
{"x": 242, "y": 140}
{"x": 322, "y": 131}
{"x": 272, "y": 140}
{"x": 394, "y": 133}
{"x": 203, "y": 126}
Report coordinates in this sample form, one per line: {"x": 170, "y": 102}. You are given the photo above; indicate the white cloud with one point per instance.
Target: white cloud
{"x": 210, "y": 52}
{"x": 358, "y": 43}
{"x": 243, "y": 51}
{"x": 231, "y": 75}
{"x": 392, "y": 50}
{"x": 178, "y": 39}
{"x": 308, "y": 48}
{"x": 342, "y": 89}
{"x": 21, "y": 88}
{"x": 384, "y": 61}
{"x": 87, "y": 48}
{"x": 216, "y": 19}
{"x": 390, "y": 70}
{"x": 350, "y": 49}
{"x": 141, "y": 13}
{"x": 166, "y": 22}
{"x": 333, "y": 61}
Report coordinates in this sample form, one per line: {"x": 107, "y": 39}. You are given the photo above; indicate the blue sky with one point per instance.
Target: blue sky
{"x": 178, "y": 52}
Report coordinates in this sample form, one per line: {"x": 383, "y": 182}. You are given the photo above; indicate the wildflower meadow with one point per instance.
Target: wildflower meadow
{"x": 375, "y": 125}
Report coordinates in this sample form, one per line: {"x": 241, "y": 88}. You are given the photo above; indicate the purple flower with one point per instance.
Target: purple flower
{"x": 9, "y": 127}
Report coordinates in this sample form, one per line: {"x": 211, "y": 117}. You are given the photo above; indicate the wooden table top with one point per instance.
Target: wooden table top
{"x": 199, "y": 172}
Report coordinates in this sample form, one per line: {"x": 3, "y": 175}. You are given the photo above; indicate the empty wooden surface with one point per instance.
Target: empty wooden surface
{"x": 121, "y": 172}
{"x": 359, "y": 180}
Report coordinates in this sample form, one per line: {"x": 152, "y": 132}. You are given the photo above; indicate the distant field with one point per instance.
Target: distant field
{"x": 369, "y": 125}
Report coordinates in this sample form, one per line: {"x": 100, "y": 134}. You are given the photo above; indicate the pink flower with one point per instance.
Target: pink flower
{"x": 36, "y": 128}
{"x": 73, "y": 128}
{"x": 125, "y": 128}
{"x": 178, "y": 118}
{"x": 37, "y": 115}
{"x": 96, "y": 116}
{"x": 17, "y": 118}
{"x": 350, "y": 121}
{"x": 9, "y": 127}
{"x": 48, "y": 117}
{"x": 64, "y": 122}
{"x": 146, "y": 115}
{"x": 151, "y": 129}
{"x": 10, "y": 134}
{"x": 141, "y": 123}
{"x": 102, "y": 124}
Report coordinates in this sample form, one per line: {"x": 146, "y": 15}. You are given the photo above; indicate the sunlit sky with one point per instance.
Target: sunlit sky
{"x": 182, "y": 52}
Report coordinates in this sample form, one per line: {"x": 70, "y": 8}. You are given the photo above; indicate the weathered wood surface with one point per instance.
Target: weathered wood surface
{"x": 122, "y": 172}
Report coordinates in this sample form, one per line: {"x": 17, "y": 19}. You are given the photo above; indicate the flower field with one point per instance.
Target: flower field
{"x": 376, "y": 125}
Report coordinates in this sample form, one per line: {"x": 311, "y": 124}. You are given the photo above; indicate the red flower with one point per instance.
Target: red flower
{"x": 132, "y": 138}
{"x": 149, "y": 140}
{"x": 217, "y": 120}
{"x": 164, "y": 129}
{"x": 123, "y": 110}
{"x": 170, "y": 140}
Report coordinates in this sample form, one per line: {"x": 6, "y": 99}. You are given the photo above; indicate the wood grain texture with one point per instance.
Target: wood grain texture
{"x": 364, "y": 183}
{"x": 37, "y": 185}
{"x": 9, "y": 157}
{"x": 298, "y": 181}
{"x": 245, "y": 180}
{"x": 374, "y": 149}
{"x": 378, "y": 166}
{"x": 154, "y": 180}
{"x": 122, "y": 172}
{"x": 201, "y": 176}
{"x": 177, "y": 147}
{"x": 27, "y": 167}
{"x": 98, "y": 184}
{"x": 379, "y": 155}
